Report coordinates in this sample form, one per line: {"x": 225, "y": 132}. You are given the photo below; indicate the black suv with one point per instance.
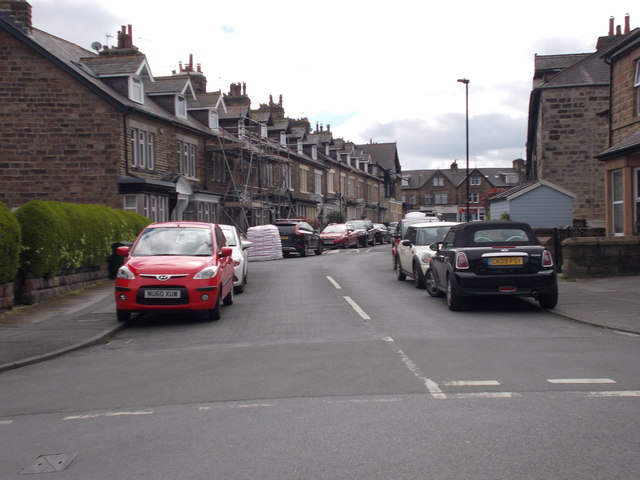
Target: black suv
{"x": 366, "y": 231}
{"x": 297, "y": 236}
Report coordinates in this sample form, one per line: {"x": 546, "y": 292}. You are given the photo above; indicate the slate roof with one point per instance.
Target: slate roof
{"x": 383, "y": 154}
{"x": 629, "y": 145}
{"x": 75, "y": 60}
{"x": 495, "y": 176}
{"x": 204, "y": 100}
{"x": 114, "y": 66}
{"x": 167, "y": 86}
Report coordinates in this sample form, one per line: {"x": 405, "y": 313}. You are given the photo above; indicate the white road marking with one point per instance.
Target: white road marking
{"x": 486, "y": 395}
{"x": 431, "y": 386}
{"x": 108, "y": 414}
{"x": 620, "y": 393}
{"x": 244, "y": 405}
{"x": 357, "y": 308}
{"x": 6, "y": 422}
{"x": 472, "y": 383}
{"x": 628, "y": 334}
{"x": 335, "y": 284}
{"x": 378, "y": 400}
{"x": 580, "y": 381}
{"x": 388, "y": 339}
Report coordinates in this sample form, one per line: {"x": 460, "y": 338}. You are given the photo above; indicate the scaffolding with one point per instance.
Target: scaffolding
{"x": 251, "y": 172}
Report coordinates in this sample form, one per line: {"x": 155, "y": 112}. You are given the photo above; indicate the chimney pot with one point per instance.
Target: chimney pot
{"x": 611, "y": 20}
{"x": 618, "y": 30}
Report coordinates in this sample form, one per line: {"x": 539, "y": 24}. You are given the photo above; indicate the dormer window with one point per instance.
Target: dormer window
{"x": 213, "y": 120}
{"x": 136, "y": 89}
{"x": 181, "y": 106}
{"x": 263, "y": 130}
{"x": 299, "y": 146}
{"x": 283, "y": 139}
{"x": 314, "y": 152}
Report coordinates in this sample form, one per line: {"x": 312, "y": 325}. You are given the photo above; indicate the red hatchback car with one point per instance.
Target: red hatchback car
{"x": 175, "y": 266}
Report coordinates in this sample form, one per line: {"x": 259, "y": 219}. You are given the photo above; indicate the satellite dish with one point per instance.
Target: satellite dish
{"x": 97, "y": 46}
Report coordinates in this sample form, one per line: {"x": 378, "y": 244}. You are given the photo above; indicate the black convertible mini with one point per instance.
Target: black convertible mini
{"x": 492, "y": 258}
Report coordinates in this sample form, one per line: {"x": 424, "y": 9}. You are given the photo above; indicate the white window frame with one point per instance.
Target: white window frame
{"x": 304, "y": 179}
{"x": 636, "y": 84}
{"x": 636, "y": 202}
{"x": 330, "y": 178}
{"x": 438, "y": 181}
{"x": 136, "y": 89}
{"x": 181, "y": 106}
{"x": 187, "y": 157}
{"x": 474, "y": 197}
{"x": 617, "y": 202}
{"x": 142, "y": 148}
{"x": 474, "y": 180}
{"x": 427, "y": 199}
{"x": 317, "y": 180}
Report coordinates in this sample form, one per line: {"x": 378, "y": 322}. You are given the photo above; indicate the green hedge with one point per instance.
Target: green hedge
{"x": 60, "y": 237}
{"x": 10, "y": 235}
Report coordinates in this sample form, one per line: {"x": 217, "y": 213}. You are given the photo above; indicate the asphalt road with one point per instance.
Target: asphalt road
{"x": 327, "y": 367}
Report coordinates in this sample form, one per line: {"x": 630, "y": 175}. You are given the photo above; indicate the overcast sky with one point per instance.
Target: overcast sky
{"x": 381, "y": 71}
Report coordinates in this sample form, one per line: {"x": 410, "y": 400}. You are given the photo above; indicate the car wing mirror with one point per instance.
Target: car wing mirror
{"x": 246, "y": 244}
{"x": 226, "y": 252}
{"x": 436, "y": 246}
{"x": 123, "y": 250}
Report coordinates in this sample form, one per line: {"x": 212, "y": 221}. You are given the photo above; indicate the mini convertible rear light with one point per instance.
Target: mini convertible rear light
{"x": 547, "y": 259}
{"x": 461, "y": 261}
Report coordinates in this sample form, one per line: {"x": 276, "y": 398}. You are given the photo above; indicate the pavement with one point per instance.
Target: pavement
{"x": 36, "y": 333}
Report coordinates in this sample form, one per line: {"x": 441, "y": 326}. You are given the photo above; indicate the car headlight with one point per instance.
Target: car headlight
{"x": 425, "y": 258}
{"x": 208, "y": 272}
{"x": 124, "y": 272}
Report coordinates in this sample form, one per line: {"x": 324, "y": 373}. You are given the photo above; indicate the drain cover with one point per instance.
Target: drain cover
{"x": 50, "y": 463}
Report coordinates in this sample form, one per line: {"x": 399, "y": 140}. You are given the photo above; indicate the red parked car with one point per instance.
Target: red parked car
{"x": 175, "y": 266}
{"x": 339, "y": 235}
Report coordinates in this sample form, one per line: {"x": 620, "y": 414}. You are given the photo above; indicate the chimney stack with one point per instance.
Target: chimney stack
{"x": 627, "y": 23}
{"x": 611, "y": 26}
{"x": 19, "y": 11}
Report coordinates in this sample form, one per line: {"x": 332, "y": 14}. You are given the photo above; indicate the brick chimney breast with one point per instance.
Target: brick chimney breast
{"x": 20, "y": 11}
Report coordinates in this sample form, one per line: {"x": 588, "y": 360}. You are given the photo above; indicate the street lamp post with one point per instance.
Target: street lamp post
{"x": 466, "y": 88}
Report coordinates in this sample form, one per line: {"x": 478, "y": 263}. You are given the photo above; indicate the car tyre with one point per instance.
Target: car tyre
{"x": 215, "y": 313}
{"x": 454, "y": 299}
{"x": 319, "y": 249}
{"x": 240, "y": 288}
{"x": 549, "y": 300}
{"x": 400, "y": 275}
{"x": 228, "y": 300}
{"x": 123, "y": 315}
{"x": 418, "y": 280}
{"x": 305, "y": 250}
{"x": 431, "y": 286}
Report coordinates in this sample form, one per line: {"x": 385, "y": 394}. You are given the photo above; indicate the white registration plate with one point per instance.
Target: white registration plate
{"x": 162, "y": 294}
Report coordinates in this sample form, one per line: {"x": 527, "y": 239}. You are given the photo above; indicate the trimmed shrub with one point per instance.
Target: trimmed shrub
{"x": 10, "y": 235}
{"x": 61, "y": 237}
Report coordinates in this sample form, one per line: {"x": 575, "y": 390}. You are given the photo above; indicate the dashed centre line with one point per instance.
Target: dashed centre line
{"x": 357, "y": 308}
{"x": 334, "y": 283}
{"x": 472, "y": 383}
{"x": 580, "y": 381}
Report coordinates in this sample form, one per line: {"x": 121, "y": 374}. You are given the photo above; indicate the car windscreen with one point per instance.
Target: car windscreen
{"x": 231, "y": 238}
{"x": 429, "y": 235}
{"x": 359, "y": 225}
{"x": 335, "y": 229}
{"x": 500, "y": 236}
{"x": 174, "y": 241}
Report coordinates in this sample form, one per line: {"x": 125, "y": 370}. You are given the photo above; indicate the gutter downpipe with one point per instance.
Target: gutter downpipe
{"x": 127, "y": 112}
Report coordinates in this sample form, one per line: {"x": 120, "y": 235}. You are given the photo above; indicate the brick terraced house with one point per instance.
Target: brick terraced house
{"x": 87, "y": 127}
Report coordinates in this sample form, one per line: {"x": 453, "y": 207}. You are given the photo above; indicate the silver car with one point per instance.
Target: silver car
{"x": 239, "y": 245}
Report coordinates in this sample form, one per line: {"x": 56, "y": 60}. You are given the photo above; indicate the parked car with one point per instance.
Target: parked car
{"x": 339, "y": 235}
{"x": 297, "y": 236}
{"x": 174, "y": 266}
{"x": 401, "y": 230}
{"x": 414, "y": 252}
{"x": 239, "y": 245}
{"x": 366, "y": 232}
{"x": 495, "y": 258}
{"x": 381, "y": 233}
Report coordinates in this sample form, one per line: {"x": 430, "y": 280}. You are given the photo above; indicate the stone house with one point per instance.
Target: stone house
{"x": 444, "y": 191}
{"x": 99, "y": 127}
{"x": 568, "y": 124}
{"x": 621, "y": 160}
